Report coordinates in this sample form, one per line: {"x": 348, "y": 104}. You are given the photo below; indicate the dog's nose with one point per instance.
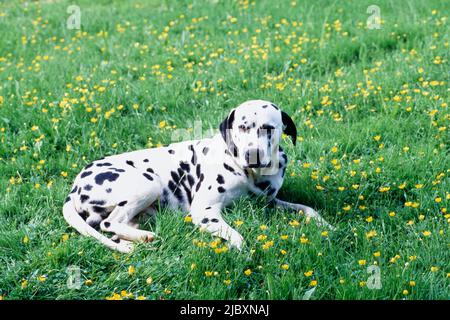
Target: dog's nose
{"x": 253, "y": 157}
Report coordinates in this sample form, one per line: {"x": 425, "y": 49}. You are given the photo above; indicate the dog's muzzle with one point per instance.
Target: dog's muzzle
{"x": 253, "y": 158}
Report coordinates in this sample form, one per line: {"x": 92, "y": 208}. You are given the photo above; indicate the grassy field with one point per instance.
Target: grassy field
{"x": 373, "y": 152}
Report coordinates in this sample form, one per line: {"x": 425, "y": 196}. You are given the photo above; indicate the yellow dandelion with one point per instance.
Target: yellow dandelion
{"x": 131, "y": 270}
{"x": 238, "y": 223}
{"x": 308, "y": 273}
{"x": 426, "y": 233}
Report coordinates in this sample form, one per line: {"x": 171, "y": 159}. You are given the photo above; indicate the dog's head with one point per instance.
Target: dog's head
{"x": 253, "y": 131}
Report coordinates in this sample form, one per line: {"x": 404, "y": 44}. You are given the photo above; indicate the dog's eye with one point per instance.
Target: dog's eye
{"x": 265, "y": 129}
{"x": 242, "y": 128}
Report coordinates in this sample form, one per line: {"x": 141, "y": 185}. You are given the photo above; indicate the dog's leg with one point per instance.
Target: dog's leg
{"x": 309, "y": 212}
{"x": 118, "y": 223}
{"x": 208, "y": 218}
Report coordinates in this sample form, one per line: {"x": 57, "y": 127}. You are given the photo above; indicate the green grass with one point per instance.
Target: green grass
{"x": 68, "y": 97}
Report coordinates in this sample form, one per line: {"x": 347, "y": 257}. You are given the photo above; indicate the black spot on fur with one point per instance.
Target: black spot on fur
{"x": 84, "y": 198}
{"x": 202, "y": 177}
{"x": 171, "y": 151}
{"x": 197, "y": 171}
{"x": 107, "y": 224}
{"x": 121, "y": 204}
{"x": 271, "y": 191}
{"x": 149, "y": 177}
{"x": 214, "y": 220}
{"x": 221, "y": 189}
{"x": 180, "y": 172}
{"x": 164, "y": 197}
{"x": 98, "y": 202}
{"x": 205, "y": 150}
{"x": 98, "y": 209}
{"x": 87, "y": 187}
{"x": 263, "y": 185}
{"x": 274, "y": 106}
{"x": 105, "y": 164}
{"x": 88, "y": 166}
{"x": 205, "y": 220}
{"x": 207, "y": 208}
{"x": 67, "y": 200}
{"x": 191, "y": 180}
{"x": 108, "y": 190}
{"x": 79, "y": 190}
{"x": 83, "y": 214}
{"x": 179, "y": 195}
{"x": 94, "y": 224}
{"x": 172, "y": 186}
{"x": 110, "y": 176}
{"x": 86, "y": 174}
{"x": 194, "y": 155}
{"x": 117, "y": 170}
{"x": 146, "y": 160}
{"x": 229, "y": 168}
{"x": 150, "y": 170}
{"x": 185, "y": 166}
{"x": 188, "y": 192}
{"x": 265, "y": 106}
{"x": 209, "y": 188}
{"x": 175, "y": 177}
{"x": 116, "y": 240}
{"x": 130, "y": 163}
{"x": 74, "y": 190}
{"x": 176, "y": 191}
{"x": 220, "y": 179}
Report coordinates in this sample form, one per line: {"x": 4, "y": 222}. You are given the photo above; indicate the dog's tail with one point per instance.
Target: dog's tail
{"x": 73, "y": 219}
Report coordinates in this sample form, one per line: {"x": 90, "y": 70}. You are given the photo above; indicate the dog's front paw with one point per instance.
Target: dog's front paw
{"x": 236, "y": 241}
{"x": 124, "y": 246}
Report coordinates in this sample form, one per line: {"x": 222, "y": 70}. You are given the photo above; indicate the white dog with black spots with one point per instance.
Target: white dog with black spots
{"x": 199, "y": 177}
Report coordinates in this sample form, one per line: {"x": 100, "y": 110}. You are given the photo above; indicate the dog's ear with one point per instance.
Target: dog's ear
{"x": 226, "y": 125}
{"x": 225, "y": 130}
{"x": 289, "y": 127}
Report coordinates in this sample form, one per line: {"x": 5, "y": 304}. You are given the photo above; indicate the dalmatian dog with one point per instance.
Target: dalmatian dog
{"x": 199, "y": 177}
